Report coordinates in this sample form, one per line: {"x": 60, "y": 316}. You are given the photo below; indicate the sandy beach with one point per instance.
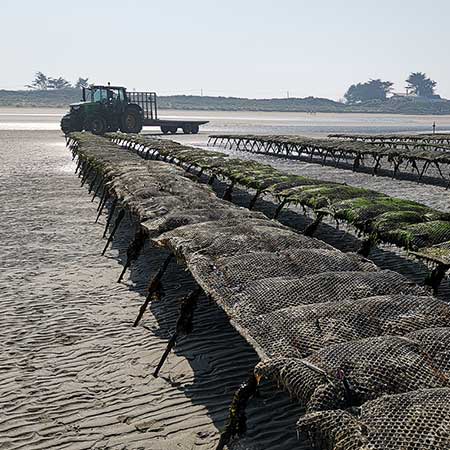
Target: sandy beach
{"x": 75, "y": 373}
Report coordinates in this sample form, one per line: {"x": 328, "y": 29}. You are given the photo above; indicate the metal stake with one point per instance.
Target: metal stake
{"x": 154, "y": 286}
{"x": 237, "y": 420}
{"x": 133, "y": 251}
{"x": 116, "y": 226}
{"x": 183, "y": 327}
{"x": 111, "y": 213}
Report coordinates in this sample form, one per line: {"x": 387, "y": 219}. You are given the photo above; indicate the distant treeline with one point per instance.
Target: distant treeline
{"x": 395, "y": 105}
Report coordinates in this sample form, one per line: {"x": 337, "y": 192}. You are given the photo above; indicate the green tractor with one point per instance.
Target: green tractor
{"x": 103, "y": 109}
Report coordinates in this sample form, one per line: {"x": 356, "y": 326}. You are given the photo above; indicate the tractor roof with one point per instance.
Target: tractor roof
{"x": 100, "y": 86}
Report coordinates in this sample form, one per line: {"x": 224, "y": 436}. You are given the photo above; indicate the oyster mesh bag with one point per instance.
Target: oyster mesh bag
{"x": 281, "y": 292}
{"x": 351, "y": 373}
{"x": 417, "y": 420}
{"x": 217, "y": 239}
{"x": 313, "y": 327}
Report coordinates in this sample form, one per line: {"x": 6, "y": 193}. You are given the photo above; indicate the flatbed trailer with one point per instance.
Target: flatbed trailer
{"x": 147, "y": 101}
{"x": 110, "y": 108}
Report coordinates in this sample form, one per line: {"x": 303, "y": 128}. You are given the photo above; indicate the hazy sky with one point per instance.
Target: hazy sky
{"x": 253, "y": 48}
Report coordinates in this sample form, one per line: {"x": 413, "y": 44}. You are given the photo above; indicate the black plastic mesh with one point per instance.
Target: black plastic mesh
{"x": 436, "y": 343}
{"x": 417, "y": 420}
{"x": 235, "y": 237}
{"x": 231, "y": 274}
{"x": 207, "y": 213}
{"x": 351, "y": 373}
{"x": 281, "y": 292}
{"x": 313, "y": 327}
{"x": 149, "y": 190}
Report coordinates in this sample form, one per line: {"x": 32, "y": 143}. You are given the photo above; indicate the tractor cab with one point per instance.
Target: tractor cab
{"x": 104, "y": 94}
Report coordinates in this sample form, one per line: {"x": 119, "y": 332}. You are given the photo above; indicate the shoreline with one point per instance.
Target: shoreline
{"x": 4, "y": 109}
{"x": 269, "y": 111}
{"x": 253, "y": 122}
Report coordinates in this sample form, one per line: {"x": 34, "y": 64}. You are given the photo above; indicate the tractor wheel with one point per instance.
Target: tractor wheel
{"x": 66, "y": 127}
{"x": 131, "y": 121}
{"x": 97, "y": 125}
{"x": 187, "y": 129}
{"x": 164, "y": 129}
{"x": 70, "y": 124}
{"x": 173, "y": 130}
{"x": 194, "y": 129}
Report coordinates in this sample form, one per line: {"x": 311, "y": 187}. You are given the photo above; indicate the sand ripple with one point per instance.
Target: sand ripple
{"x": 74, "y": 374}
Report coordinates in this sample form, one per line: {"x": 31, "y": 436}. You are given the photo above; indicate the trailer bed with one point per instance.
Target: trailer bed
{"x": 161, "y": 122}
{"x": 147, "y": 102}
{"x": 172, "y": 126}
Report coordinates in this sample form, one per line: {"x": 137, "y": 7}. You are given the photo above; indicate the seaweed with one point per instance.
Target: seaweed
{"x": 420, "y": 235}
{"x": 324, "y": 195}
{"x": 382, "y": 217}
{"x": 362, "y": 212}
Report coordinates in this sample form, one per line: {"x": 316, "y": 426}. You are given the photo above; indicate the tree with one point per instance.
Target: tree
{"x": 43, "y": 82}
{"x": 420, "y": 84}
{"x": 58, "y": 83}
{"x": 40, "y": 82}
{"x": 82, "y": 82}
{"x": 371, "y": 90}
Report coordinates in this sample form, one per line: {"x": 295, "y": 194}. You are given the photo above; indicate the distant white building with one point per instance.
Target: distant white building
{"x": 407, "y": 93}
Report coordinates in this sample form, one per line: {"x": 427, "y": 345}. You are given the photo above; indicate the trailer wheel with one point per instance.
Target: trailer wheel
{"x": 97, "y": 125}
{"x": 165, "y": 129}
{"x": 173, "y": 130}
{"x": 194, "y": 129}
{"x": 187, "y": 129}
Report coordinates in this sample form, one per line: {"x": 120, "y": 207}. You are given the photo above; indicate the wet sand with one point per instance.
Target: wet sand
{"x": 75, "y": 374}
{"x": 319, "y": 124}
